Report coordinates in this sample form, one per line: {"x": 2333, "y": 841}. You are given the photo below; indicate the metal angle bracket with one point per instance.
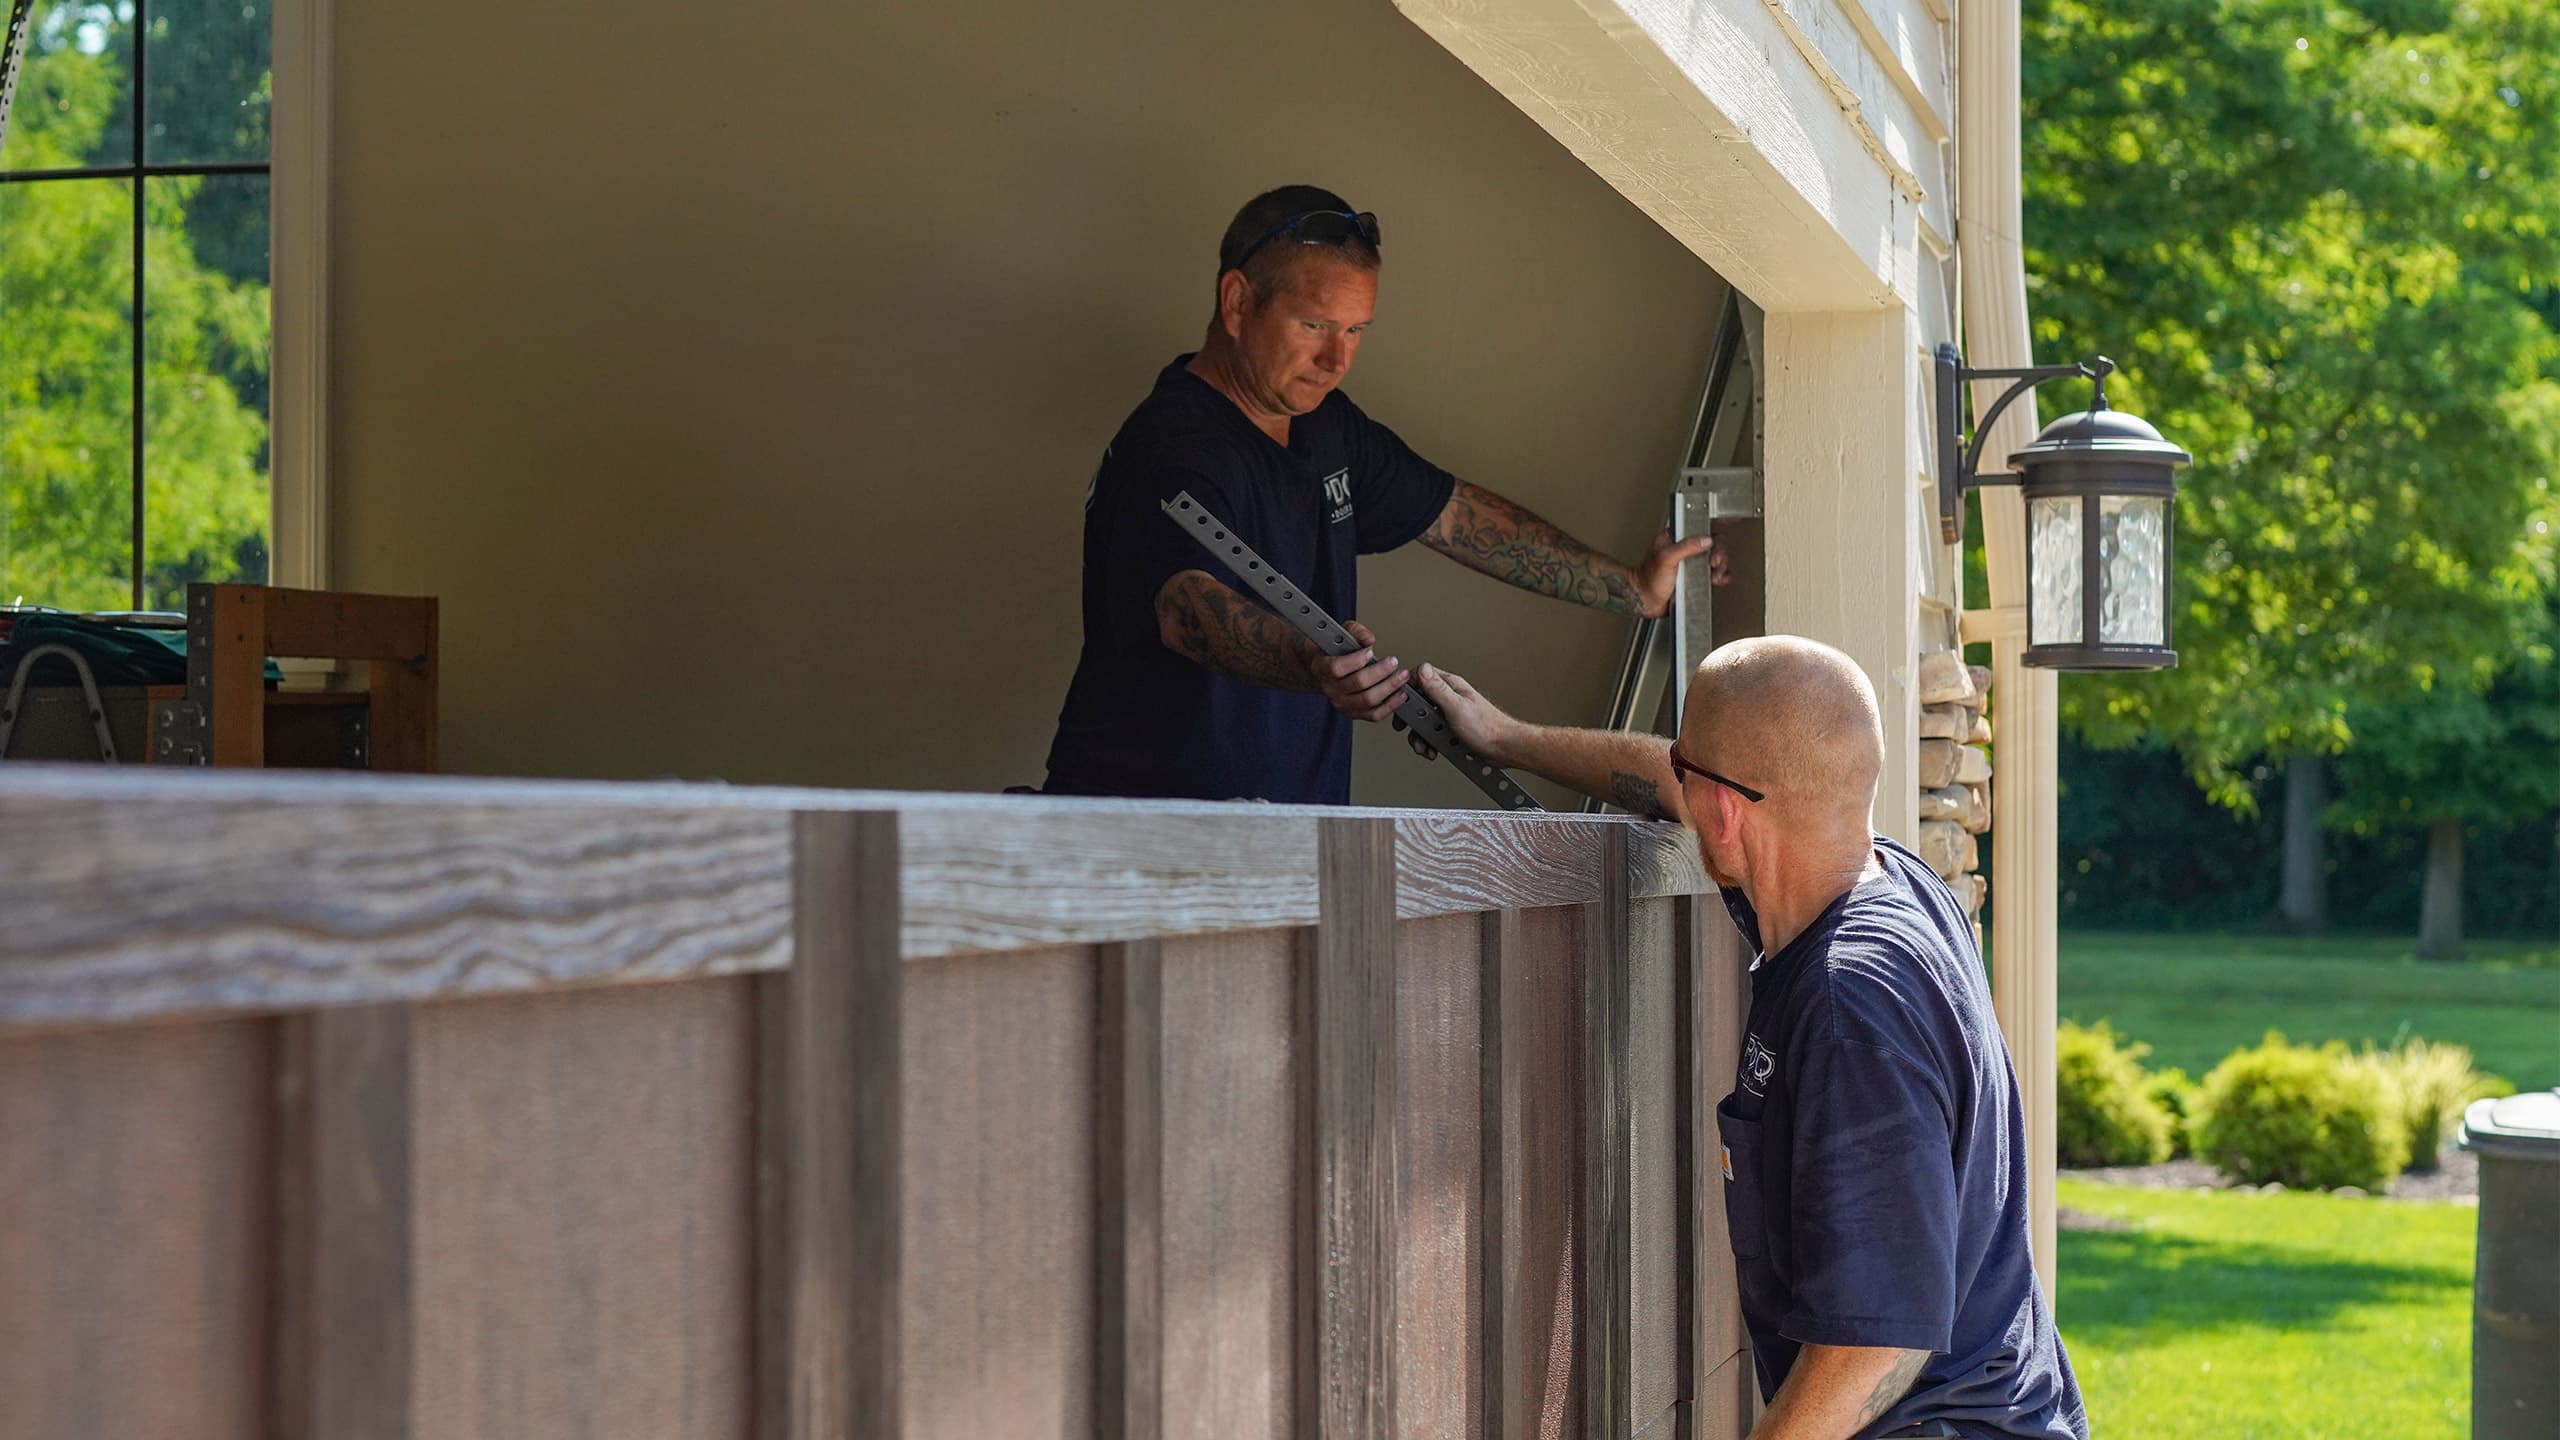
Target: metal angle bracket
{"x": 1310, "y": 620}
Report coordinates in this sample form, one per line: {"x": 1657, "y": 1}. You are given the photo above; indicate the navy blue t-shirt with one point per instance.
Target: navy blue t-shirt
{"x": 1142, "y": 720}
{"x": 1876, "y": 1163}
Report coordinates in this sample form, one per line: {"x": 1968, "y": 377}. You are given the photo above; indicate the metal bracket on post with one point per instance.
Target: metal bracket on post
{"x": 1957, "y": 461}
{"x": 1719, "y": 479}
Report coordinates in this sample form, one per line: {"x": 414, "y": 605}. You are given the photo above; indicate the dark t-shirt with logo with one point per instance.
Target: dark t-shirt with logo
{"x": 1142, "y": 720}
{"x": 1876, "y": 1165}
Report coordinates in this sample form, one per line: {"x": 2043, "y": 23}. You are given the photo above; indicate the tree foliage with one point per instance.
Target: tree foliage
{"x": 66, "y": 274}
{"x": 2317, "y": 236}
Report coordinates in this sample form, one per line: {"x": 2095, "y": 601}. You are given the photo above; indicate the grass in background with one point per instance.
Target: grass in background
{"x": 2226, "y": 1315}
{"x": 2196, "y": 998}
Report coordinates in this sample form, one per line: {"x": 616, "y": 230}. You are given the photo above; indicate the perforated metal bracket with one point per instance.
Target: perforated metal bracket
{"x": 178, "y": 734}
{"x": 1420, "y": 716}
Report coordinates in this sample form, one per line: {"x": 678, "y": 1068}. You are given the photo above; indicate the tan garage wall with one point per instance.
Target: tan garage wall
{"x": 734, "y": 375}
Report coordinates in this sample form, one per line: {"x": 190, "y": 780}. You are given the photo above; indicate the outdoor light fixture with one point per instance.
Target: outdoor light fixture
{"x": 2099, "y": 487}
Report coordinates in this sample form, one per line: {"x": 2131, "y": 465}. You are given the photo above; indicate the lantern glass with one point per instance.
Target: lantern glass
{"x": 2133, "y": 533}
{"x": 2053, "y": 570}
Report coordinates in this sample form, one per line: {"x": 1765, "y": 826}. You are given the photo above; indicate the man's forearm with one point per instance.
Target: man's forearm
{"x": 1202, "y": 620}
{"x": 1835, "y": 1391}
{"x": 1629, "y": 770}
{"x": 1485, "y": 532}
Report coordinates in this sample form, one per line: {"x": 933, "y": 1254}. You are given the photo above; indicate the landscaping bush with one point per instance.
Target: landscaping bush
{"x": 2303, "y": 1117}
{"x": 2429, "y": 1085}
{"x": 2103, "y": 1115}
{"x": 2180, "y": 1096}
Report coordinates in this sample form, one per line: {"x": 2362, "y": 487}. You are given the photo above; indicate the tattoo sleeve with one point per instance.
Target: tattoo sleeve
{"x": 1202, "y": 620}
{"x": 1485, "y": 532}
{"x": 1892, "y": 1385}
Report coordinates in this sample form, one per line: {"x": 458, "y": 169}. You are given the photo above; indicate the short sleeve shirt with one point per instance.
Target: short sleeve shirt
{"x": 1140, "y": 719}
{"x": 1874, "y": 1155}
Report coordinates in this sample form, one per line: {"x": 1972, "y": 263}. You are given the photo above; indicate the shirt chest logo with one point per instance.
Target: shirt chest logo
{"x": 1759, "y": 1062}
{"x": 1337, "y": 493}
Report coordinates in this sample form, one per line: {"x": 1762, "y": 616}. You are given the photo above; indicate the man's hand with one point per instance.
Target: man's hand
{"x": 1360, "y": 684}
{"x": 1478, "y": 722}
{"x": 1658, "y": 578}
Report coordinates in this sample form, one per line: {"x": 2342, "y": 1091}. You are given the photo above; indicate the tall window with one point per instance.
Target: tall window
{"x": 134, "y": 319}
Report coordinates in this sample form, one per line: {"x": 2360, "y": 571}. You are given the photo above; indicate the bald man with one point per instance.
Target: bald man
{"x": 1874, "y": 1151}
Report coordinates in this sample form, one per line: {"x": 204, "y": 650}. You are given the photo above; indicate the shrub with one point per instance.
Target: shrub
{"x": 2429, "y": 1085}
{"x": 2102, "y": 1114}
{"x": 2179, "y": 1096}
{"x": 2304, "y": 1117}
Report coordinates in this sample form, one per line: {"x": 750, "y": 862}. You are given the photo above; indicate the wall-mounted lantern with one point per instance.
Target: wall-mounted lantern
{"x": 2100, "y": 487}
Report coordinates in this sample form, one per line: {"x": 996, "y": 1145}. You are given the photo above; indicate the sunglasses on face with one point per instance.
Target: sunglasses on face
{"x": 1682, "y": 767}
{"x": 1317, "y": 227}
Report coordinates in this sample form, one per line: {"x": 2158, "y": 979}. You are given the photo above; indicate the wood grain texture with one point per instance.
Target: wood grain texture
{"x": 1463, "y": 863}
{"x": 996, "y": 1315}
{"x": 134, "y": 1191}
{"x": 1346, "y": 1025}
{"x": 1499, "y": 1048}
{"x": 1601, "y": 1321}
{"x": 584, "y": 1200}
{"x": 1542, "y": 1369}
{"x": 1664, "y": 861}
{"x": 1721, "y": 981}
{"x": 1128, "y": 1175}
{"x": 1231, "y": 1187}
{"x": 1688, "y": 1159}
{"x": 336, "y": 625}
{"x": 193, "y": 906}
{"x": 1439, "y": 1177}
{"x": 346, "y": 1306}
{"x": 829, "y": 1037}
{"x": 976, "y": 882}
{"x": 1656, "y": 1380}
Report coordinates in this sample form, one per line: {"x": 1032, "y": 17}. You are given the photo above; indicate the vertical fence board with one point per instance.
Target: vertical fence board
{"x": 582, "y": 1231}
{"x": 346, "y": 1300}
{"x": 996, "y": 1270}
{"x": 1721, "y": 984}
{"x": 1230, "y": 1186}
{"x": 1601, "y": 1320}
{"x": 1498, "y": 1018}
{"x": 1655, "y": 1380}
{"x": 1128, "y": 1173}
{"x": 1439, "y": 1177}
{"x": 134, "y": 1191}
{"x": 828, "y": 1057}
{"x": 1346, "y": 1023}
{"x": 1543, "y": 1373}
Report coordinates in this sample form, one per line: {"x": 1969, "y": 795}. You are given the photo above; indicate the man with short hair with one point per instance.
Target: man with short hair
{"x": 1188, "y": 687}
{"x": 1874, "y": 1150}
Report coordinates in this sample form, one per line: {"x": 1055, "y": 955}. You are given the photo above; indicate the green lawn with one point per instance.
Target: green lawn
{"x": 2196, "y": 998}
{"x": 2235, "y": 1315}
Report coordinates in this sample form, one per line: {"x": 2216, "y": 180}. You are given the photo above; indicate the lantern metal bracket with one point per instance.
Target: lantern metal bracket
{"x": 1958, "y": 461}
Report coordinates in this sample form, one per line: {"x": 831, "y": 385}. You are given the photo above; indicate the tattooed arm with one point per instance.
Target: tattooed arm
{"x": 1485, "y": 532}
{"x": 1629, "y": 770}
{"x": 1204, "y": 621}
{"x": 1836, "y": 1391}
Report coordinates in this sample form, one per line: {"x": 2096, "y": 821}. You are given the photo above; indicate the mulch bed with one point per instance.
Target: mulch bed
{"x": 2456, "y": 1178}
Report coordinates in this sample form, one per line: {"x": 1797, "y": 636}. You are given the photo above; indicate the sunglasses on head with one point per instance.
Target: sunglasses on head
{"x": 1682, "y": 767}
{"x": 1317, "y": 227}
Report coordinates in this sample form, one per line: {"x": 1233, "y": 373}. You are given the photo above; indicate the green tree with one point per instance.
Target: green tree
{"x": 66, "y": 363}
{"x": 2313, "y": 233}
{"x": 2452, "y": 761}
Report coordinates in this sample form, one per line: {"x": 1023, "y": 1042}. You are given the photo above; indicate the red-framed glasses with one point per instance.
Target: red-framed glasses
{"x": 1682, "y": 767}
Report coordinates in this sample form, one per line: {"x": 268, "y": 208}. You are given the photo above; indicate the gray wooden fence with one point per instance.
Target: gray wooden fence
{"x": 368, "y": 1108}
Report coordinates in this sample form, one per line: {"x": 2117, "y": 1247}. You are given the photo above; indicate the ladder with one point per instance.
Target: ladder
{"x": 1719, "y": 479}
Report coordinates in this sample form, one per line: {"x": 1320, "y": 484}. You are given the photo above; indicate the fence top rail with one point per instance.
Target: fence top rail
{"x": 133, "y": 893}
